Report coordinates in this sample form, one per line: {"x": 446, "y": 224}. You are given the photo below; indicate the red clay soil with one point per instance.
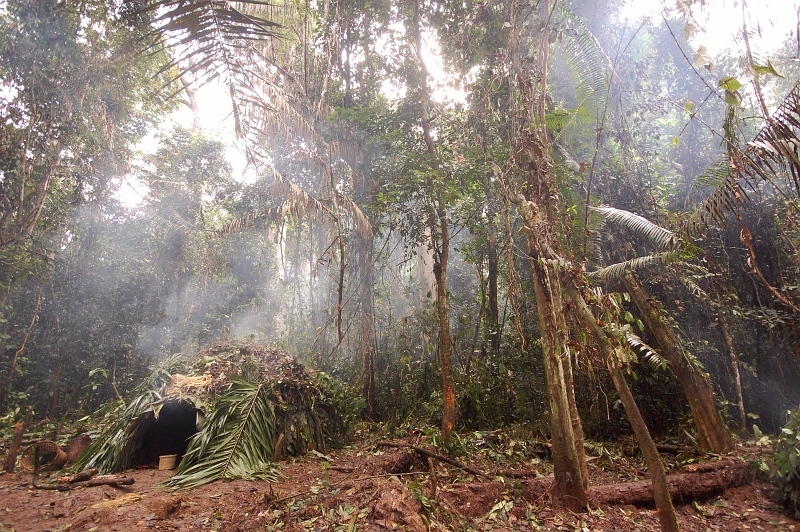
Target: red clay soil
{"x": 368, "y": 488}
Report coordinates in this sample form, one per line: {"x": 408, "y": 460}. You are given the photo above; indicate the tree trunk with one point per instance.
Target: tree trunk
{"x": 442, "y": 251}
{"x": 658, "y": 478}
{"x": 569, "y": 486}
{"x": 493, "y": 315}
{"x": 493, "y": 260}
{"x": 737, "y": 377}
{"x": 577, "y": 426}
{"x": 714, "y": 437}
{"x": 368, "y": 334}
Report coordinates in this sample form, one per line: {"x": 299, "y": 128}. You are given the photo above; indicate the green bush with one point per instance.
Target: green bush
{"x": 786, "y": 472}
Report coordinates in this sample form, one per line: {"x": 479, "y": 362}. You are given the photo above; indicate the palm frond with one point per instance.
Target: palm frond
{"x": 649, "y": 354}
{"x": 615, "y": 271}
{"x": 237, "y": 441}
{"x": 206, "y": 33}
{"x": 298, "y": 204}
{"x": 114, "y": 450}
{"x": 586, "y": 60}
{"x": 659, "y": 236}
{"x": 774, "y": 152}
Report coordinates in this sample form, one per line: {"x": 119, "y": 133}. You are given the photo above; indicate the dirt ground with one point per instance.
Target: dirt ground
{"x": 366, "y": 487}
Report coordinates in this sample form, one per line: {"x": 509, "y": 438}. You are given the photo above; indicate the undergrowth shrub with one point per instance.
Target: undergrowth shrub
{"x": 786, "y": 471}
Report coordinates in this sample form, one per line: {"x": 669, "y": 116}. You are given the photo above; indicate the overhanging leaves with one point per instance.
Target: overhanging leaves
{"x": 772, "y": 154}
{"x": 204, "y": 33}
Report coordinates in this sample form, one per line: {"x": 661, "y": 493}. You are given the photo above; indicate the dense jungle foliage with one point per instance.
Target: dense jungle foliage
{"x": 438, "y": 200}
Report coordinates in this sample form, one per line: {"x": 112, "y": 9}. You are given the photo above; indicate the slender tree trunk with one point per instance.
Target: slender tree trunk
{"x": 713, "y": 434}
{"x": 493, "y": 315}
{"x": 569, "y": 486}
{"x": 666, "y": 510}
{"x": 737, "y": 377}
{"x": 575, "y": 420}
{"x": 441, "y": 252}
{"x": 368, "y": 334}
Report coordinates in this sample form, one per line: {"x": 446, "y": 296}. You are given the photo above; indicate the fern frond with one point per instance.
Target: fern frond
{"x": 659, "y": 236}
{"x": 615, "y": 271}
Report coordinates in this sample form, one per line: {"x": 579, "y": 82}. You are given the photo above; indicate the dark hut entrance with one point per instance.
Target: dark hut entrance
{"x": 169, "y": 434}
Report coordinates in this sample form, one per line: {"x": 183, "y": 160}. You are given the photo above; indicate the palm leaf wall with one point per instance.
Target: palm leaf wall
{"x": 237, "y": 441}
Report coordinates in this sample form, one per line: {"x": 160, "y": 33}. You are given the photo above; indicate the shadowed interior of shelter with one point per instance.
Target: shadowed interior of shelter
{"x": 169, "y": 434}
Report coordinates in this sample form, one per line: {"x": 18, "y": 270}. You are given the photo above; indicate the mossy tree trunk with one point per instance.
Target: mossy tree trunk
{"x": 368, "y": 334}
{"x": 569, "y": 488}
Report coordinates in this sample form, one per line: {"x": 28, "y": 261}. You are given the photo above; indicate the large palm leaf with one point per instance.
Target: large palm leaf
{"x": 218, "y": 39}
{"x": 236, "y": 442}
{"x": 114, "y": 451}
{"x": 207, "y": 36}
{"x": 664, "y": 239}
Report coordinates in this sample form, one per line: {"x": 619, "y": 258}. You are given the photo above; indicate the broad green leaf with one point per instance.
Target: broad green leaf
{"x": 689, "y": 105}
{"x": 730, "y": 84}
{"x": 762, "y": 70}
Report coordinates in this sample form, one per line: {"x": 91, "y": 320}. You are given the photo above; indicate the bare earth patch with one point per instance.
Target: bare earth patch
{"x": 367, "y": 488}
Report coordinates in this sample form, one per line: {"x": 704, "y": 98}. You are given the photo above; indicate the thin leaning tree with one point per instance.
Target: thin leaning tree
{"x": 526, "y": 175}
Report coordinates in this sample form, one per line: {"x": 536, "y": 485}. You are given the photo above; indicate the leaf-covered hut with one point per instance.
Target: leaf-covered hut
{"x": 227, "y": 411}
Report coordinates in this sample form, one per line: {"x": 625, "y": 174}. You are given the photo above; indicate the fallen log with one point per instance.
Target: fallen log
{"x": 699, "y": 482}
{"x": 106, "y": 480}
{"x": 510, "y": 473}
{"x": 431, "y": 454}
{"x": 672, "y": 449}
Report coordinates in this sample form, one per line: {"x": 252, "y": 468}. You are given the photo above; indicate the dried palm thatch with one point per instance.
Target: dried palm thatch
{"x": 771, "y": 156}
{"x": 245, "y": 398}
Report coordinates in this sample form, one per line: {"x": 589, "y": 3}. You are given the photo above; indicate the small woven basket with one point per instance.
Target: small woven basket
{"x": 51, "y": 457}
{"x": 167, "y": 462}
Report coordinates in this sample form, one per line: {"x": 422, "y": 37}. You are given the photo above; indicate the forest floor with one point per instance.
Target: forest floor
{"x": 366, "y": 486}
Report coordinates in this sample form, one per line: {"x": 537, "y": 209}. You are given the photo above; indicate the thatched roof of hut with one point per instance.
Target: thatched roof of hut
{"x": 228, "y": 411}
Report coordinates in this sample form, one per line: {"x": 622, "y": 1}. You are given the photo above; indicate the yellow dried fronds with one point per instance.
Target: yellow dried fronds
{"x": 183, "y": 384}
{"x": 118, "y": 502}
